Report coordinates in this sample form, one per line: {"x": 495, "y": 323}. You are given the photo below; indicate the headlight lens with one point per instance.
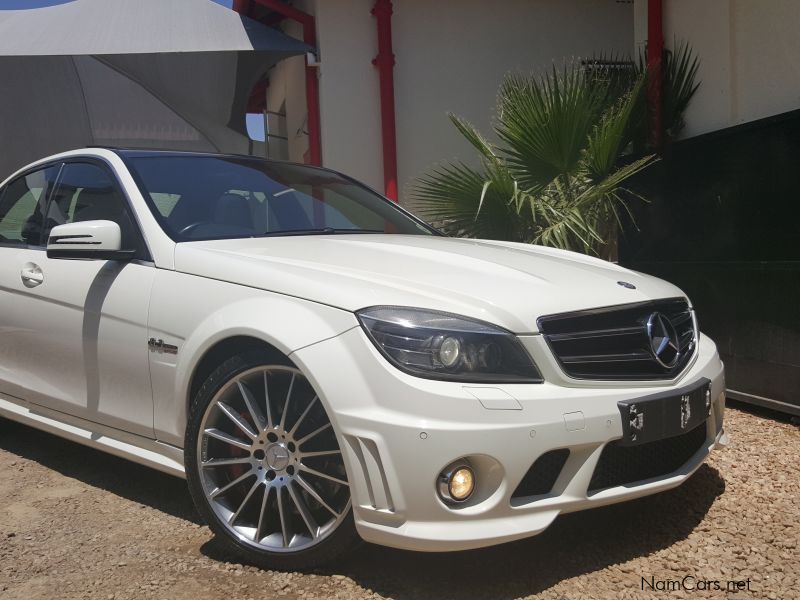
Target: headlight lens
{"x": 440, "y": 345}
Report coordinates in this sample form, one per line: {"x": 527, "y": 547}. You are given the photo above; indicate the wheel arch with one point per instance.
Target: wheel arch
{"x": 279, "y": 324}
{"x": 224, "y": 349}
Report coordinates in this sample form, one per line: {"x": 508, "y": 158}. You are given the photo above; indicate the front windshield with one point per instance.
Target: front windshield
{"x": 218, "y": 197}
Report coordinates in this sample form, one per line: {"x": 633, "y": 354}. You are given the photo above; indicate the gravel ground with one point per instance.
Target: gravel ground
{"x": 76, "y": 523}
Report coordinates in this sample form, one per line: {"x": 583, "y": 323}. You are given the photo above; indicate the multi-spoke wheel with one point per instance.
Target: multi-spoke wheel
{"x": 264, "y": 465}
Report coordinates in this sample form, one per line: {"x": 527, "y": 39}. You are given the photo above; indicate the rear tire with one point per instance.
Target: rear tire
{"x": 264, "y": 466}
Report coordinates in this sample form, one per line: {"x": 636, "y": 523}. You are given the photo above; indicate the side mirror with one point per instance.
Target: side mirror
{"x": 93, "y": 240}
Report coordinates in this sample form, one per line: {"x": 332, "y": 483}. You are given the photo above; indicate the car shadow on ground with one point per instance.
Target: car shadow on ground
{"x": 115, "y": 475}
{"x": 575, "y": 544}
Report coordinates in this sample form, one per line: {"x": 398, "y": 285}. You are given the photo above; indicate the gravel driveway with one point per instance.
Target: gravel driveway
{"x": 75, "y": 523}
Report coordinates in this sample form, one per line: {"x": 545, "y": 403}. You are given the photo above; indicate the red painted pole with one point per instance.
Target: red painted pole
{"x": 385, "y": 63}
{"x": 242, "y": 7}
{"x": 655, "y": 54}
{"x": 312, "y": 83}
{"x": 312, "y": 98}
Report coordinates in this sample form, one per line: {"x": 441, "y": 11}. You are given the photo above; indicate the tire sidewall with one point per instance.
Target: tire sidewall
{"x": 337, "y": 543}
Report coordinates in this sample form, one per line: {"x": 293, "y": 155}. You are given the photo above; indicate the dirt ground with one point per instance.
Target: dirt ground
{"x": 75, "y": 523}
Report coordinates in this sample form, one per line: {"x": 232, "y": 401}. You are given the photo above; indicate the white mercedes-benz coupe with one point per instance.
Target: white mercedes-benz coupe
{"x": 324, "y": 367}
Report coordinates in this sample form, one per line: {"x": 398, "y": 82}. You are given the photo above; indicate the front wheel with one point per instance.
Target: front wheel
{"x": 264, "y": 467}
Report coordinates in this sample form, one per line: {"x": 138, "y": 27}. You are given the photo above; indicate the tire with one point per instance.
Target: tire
{"x": 264, "y": 466}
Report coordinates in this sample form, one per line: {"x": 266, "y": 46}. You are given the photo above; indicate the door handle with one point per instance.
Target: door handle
{"x": 31, "y": 275}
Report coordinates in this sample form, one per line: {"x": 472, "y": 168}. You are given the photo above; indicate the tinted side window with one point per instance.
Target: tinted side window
{"x": 88, "y": 192}
{"x": 22, "y": 208}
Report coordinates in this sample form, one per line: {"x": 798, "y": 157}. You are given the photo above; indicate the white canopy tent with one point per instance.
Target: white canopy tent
{"x": 137, "y": 73}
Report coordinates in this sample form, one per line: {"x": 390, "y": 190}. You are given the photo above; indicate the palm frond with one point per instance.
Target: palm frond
{"x": 545, "y": 122}
{"x": 465, "y": 201}
{"x": 601, "y": 190}
{"x": 562, "y": 223}
{"x": 680, "y": 72}
{"x": 474, "y": 137}
{"x": 613, "y": 133}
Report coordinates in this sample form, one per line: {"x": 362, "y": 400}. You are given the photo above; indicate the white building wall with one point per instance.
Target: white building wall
{"x": 748, "y": 54}
{"x": 765, "y": 50}
{"x": 349, "y": 102}
{"x": 451, "y": 55}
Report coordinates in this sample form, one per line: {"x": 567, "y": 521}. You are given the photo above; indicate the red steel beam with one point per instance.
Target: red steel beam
{"x": 257, "y": 102}
{"x": 655, "y": 74}
{"x": 243, "y": 7}
{"x": 312, "y": 83}
{"x": 385, "y": 63}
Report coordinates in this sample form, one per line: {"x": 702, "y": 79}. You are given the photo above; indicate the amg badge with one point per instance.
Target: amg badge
{"x": 159, "y": 346}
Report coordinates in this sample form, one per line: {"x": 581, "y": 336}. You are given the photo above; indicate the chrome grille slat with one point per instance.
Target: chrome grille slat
{"x": 599, "y": 333}
{"x": 606, "y": 358}
{"x": 612, "y": 343}
{"x": 681, "y": 318}
{"x": 686, "y": 338}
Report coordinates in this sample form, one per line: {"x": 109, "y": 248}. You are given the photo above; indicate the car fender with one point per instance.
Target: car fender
{"x": 215, "y": 311}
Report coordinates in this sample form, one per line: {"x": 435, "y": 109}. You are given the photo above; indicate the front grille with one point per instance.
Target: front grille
{"x": 622, "y": 465}
{"x": 542, "y": 475}
{"x": 613, "y": 343}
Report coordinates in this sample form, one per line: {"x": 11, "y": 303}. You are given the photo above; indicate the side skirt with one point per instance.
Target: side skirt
{"x": 151, "y": 453}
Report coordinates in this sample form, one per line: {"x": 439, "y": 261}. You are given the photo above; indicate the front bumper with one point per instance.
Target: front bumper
{"x": 398, "y": 432}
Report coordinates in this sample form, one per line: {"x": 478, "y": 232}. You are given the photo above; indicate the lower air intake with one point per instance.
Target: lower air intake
{"x": 542, "y": 475}
{"x": 623, "y": 465}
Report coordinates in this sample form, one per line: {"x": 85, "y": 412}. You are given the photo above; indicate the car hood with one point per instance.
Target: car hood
{"x": 505, "y": 283}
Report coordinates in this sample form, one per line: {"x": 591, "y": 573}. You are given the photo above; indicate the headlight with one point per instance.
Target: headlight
{"x": 440, "y": 345}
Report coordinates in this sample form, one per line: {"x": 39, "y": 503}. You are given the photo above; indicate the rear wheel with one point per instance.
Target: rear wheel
{"x": 264, "y": 467}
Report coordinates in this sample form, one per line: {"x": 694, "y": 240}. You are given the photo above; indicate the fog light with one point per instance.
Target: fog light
{"x": 456, "y": 483}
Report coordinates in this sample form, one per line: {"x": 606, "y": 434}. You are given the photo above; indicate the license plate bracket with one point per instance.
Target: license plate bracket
{"x": 664, "y": 415}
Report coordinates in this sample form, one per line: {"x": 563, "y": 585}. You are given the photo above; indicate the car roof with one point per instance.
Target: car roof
{"x": 101, "y": 151}
{"x": 139, "y": 152}
{"x": 126, "y": 153}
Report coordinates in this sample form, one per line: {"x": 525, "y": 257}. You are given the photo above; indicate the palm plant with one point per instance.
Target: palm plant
{"x": 556, "y": 177}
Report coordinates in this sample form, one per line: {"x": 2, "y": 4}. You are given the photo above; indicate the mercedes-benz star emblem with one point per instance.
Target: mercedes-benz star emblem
{"x": 663, "y": 340}
{"x": 277, "y": 457}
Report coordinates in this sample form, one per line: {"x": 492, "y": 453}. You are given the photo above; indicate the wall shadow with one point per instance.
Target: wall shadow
{"x": 763, "y": 412}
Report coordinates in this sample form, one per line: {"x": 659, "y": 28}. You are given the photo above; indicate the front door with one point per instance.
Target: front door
{"x": 91, "y": 315}
{"x": 24, "y": 354}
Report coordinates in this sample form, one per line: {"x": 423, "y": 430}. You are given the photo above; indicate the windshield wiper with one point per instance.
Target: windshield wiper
{"x": 320, "y": 231}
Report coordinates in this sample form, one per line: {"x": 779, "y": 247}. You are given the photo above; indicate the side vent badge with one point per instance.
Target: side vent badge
{"x": 159, "y": 346}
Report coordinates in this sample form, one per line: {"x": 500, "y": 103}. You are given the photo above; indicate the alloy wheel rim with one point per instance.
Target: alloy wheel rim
{"x": 269, "y": 462}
